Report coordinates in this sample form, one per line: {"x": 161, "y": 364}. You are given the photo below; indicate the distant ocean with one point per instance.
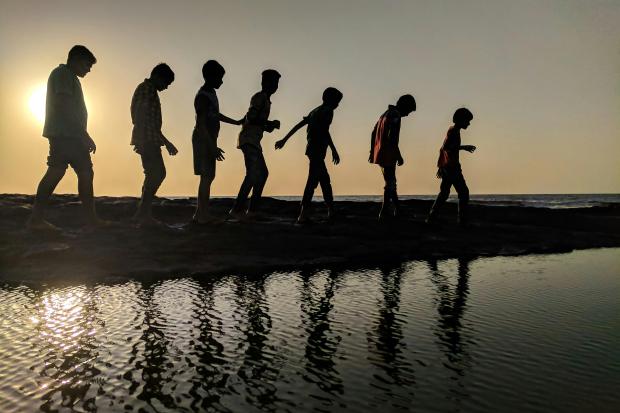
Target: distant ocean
{"x": 554, "y": 201}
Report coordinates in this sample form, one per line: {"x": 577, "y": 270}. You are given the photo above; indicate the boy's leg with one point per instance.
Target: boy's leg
{"x": 260, "y": 178}
{"x": 326, "y": 187}
{"x": 389, "y": 177}
{"x": 311, "y": 184}
{"x": 154, "y": 175}
{"x": 46, "y": 187}
{"x": 207, "y": 176}
{"x": 461, "y": 188}
{"x": 444, "y": 193}
{"x": 246, "y": 185}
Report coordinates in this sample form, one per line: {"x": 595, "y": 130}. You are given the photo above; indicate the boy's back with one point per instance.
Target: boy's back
{"x": 319, "y": 121}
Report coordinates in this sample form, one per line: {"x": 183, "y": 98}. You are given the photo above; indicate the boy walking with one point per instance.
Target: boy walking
{"x": 204, "y": 137}
{"x": 255, "y": 123}
{"x": 319, "y": 138}
{"x": 70, "y": 144}
{"x": 384, "y": 149}
{"x": 449, "y": 167}
{"x": 147, "y": 138}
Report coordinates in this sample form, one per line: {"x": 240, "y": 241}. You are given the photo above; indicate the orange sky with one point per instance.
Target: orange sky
{"x": 542, "y": 79}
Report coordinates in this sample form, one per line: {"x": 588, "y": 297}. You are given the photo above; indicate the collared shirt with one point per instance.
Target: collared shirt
{"x": 206, "y": 104}
{"x": 255, "y": 120}
{"x": 384, "y": 141}
{"x": 146, "y": 116}
{"x": 319, "y": 138}
{"x": 449, "y": 152}
{"x": 67, "y": 118}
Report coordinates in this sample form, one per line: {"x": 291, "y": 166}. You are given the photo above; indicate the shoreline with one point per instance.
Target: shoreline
{"x": 273, "y": 242}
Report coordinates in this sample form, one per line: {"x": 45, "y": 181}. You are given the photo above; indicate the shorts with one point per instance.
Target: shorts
{"x": 153, "y": 162}
{"x": 69, "y": 151}
{"x": 204, "y": 162}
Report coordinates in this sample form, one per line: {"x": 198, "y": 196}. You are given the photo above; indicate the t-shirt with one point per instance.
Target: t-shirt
{"x": 384, "y": 140}
{"x": 146, "y": 116}
{"x": 319, "y": 120}
{"x": 67, "y": 120}
{"x": 254, "y": 123}
{"x": 449, "y": 152}
{"x": 207, "y": 104}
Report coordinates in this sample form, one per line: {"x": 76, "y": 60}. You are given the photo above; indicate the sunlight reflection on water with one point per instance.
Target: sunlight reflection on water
{"x": 507, "y": 333}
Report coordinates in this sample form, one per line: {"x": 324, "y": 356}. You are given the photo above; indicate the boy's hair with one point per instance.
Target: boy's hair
{"x": 163, "y": 72}
{"x": 212, "y": 69}
{"x": 406, "y": 102}
{"x": 462, "y": 115}
{"x": 81, "y": 52}
{"x": 270, "y": 74}
{"x": 332, "y": 95}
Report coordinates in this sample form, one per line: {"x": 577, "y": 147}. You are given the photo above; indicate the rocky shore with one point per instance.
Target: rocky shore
{"x": 273, "y": 241}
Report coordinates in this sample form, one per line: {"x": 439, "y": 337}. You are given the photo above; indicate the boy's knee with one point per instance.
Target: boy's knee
{"x": 85, "y": 173}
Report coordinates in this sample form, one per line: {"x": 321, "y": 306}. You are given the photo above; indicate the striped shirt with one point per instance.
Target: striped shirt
{"x": 146, "y": 116}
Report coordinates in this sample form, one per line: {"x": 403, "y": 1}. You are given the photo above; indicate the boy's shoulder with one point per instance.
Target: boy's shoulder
{"x": 259, "y": 97}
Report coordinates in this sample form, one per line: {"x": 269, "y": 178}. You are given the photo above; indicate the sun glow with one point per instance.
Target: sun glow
{"x": 36, "y": 102}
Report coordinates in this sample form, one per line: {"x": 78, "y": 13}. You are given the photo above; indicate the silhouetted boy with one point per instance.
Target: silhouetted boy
{"x": 255, "y": 123}
{"x": 384, "y": 149}
{"x": 319, "y": 139}
{"x": 70, "y": 144}
{"x": 204, "y": 137}
{"x": 449, "y": 167}
{"x": 147, "y": 138}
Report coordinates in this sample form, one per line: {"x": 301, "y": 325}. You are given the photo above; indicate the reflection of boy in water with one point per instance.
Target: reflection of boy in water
{"x": 204, "y": 137}
{"x": 449, "y": 167}
{"x": 319, "y": 138}
{"x": 147, "y": 139}
{"x": 384, "y": 149}
{"x": 70, "y": 144}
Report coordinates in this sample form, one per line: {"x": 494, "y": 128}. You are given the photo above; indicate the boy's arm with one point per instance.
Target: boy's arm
{"x": 335, "y": 156}
{"x": 468, "y": 148}
{"x": 172, "y": 150}
{"x": 280, "y": 144}
{"x": 226, "y": 119}
{"x": 372, "y": 143}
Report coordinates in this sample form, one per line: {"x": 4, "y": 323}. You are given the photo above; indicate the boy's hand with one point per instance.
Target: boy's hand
{"x": 172, "y": 150}
{"x": 275, "y": 124}
{"x": 280, "y": 144}
{"x": 469, "y": 148}
{"x": 90, "y": 143}
{"x": 219, "y": 154}
{"x": 400, "y": 161}
{"x": 335, "y": 158}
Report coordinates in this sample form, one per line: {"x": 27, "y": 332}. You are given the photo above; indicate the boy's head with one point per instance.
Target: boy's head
{"x": 213, "y": 74}
{"x": 462, "y": 117}
{"x": 162, "y": 76}
{"x": 271, "y": 80}
{"x": 80, "y": 60}
{"x": 406, "y": 105}
{"x": 332, "y": 97}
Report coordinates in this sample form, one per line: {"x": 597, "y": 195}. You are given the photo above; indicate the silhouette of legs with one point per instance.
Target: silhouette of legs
{"x": 317, "y": 174}
{"x": 256, "y": 174}
{"x": 449, "y": 179}
{"x": 154, "y": 175}
{"x": 389, "y": 191}
{"x": 202, "y": 203}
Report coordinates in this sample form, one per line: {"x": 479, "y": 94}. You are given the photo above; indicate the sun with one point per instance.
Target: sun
{"x": 36, "y": 102}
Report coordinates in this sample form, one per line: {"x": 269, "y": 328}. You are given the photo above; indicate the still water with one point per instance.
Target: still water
{"x": 532, "y": 333}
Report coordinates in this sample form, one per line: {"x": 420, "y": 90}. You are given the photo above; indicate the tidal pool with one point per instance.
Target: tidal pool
{"x": 533, "y": 333}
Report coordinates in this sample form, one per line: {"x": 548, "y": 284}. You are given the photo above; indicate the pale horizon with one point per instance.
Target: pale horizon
{"x": 540, "y": 78}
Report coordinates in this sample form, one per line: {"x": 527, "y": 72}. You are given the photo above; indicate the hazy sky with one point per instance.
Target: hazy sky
{"x": 541, "y": 77}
